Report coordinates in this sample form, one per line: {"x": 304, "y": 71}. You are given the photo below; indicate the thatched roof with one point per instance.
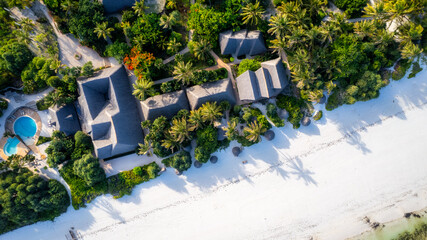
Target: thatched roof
{"x": 305, "y": 121}
{"x": 109, "y": 112}
{"x": 65, "y": 119}
{"x": 266, "y": 82}
{"x": 214, "y": 159}
{"x": 241, "y": 43}
{"x": 166, "y": 105}
{"x": 236, "y": 151}
{"x": 269, "y": 135}
{"x": 197, "y": 164}
{"x": 217, "y": 91}
{"x": 113, "y": 6}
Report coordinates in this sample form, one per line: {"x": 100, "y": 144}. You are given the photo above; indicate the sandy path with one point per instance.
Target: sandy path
{"x": 367, "y": 159}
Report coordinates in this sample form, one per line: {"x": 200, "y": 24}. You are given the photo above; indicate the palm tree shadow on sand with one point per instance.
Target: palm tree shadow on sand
{"x": 298, "y": 169}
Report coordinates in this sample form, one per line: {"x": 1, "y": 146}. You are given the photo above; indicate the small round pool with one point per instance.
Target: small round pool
{"x": 25, "y": 127}
{"x": 10, "y": 147}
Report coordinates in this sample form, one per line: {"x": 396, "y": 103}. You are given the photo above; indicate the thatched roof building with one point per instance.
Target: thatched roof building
{"x": 65, "y": 119}
{"x": 240, "y": 43}
{"x": 109, "y": 112}
{"x": 167, "y": 105}
{"x": 217, "y": 91}
{"x": 266, "y": 82}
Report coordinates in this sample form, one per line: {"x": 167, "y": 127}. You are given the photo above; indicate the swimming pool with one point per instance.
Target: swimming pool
{"x": 10, "y": 146}
{"x": 25, "y": 127}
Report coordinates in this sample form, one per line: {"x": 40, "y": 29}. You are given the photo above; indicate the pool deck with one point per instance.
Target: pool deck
{"x": 23, "y": 148}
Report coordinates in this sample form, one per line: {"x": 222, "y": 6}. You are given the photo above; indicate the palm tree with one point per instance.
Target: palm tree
{"x": 26, "y": 24}
{"x": 279, "y": 45}
{"x": 143, "y": 88}
{"x": 315, "y": 95}
{"x": 170, "y": 142}
{"x": 23, "y": 37}
{"x": 201, "y": 49}
{"x": 171, "y": 4}
{"x": 376, "y": 11}
{"x": 183, "y": 72}
{"x": 231, "y": 130}
{"x": 104, "y": 31}
{"x": 179, "y": 130}
{"x": 195, "y": 119}
{"x": 54, "y": 98}
{"x": 254, "y": 131}
{"x": 365, "y": 28}
{"x": 56, "y": 65}
{"x": 139, "y": 7}
{"x": 68, "y": 6}
{"x": 299, "y": 59}
{"x": 279, "y": 25}
{"x": 211, "y": 112}
{"x": 167, "y": 22}
{"x": 173, "y": 46}
{"x": 411, "y": 51}
{"x": 145, "y": 149}
{"x": 399, "y": 11}
{"x": 252, "y": 13}
{"x": 409, "y": 32}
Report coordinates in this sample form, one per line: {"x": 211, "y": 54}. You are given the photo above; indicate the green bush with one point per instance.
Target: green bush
{"x": 36, "y": 74}
{"x": 123, "y": 183}
{"x": 416, "y": 68}
{"x": 82, "y": 145}
{"x": 334, "y": 100}
{"x": 89, "y": 170}
{"x": 87, "y": 69}
{"x": 180, "y": 161}
{"x": 42, "y": 104}
{"x": 27, "y": 198}
{"x": 118, "y": 50}
{"x": 318, "y": 116}
{"x": 293, "y": 106}
{"x": 274, "y": 116}
{"x": 353, "y": 8}
{"x": 60, "y": 149}
{"x": 14, "y": 57}
{"x": 81, "y": 193}
{"x": 207, "y": 143}
{"x": 418, "y": 233}
{"x": 42, "y": 140}
{"x": 248, "y": 64}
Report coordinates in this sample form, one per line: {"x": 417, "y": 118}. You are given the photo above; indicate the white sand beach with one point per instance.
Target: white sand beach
{"x": 367, "y": 159}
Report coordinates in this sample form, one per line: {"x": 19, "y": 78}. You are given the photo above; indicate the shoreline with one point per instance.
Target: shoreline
{"x": 391, "y": 229}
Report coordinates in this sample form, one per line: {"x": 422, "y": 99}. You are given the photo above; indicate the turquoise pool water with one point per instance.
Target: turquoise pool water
{"x": 10, "y": 146}
{"x": 25, "y": 127}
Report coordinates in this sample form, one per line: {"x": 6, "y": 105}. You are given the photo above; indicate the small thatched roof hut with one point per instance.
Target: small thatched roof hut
{"x": 236, "y": 151}
{"x": 214, "y": 159}
{"x": 269, "y": 135}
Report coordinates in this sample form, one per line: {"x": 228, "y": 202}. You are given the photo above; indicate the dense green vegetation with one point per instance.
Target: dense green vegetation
{"x": 180, "y": 161}
{"x": 26, "y": 198}
{"x": 248, "y": 64}
{"x": 419, "y": 233}
{"x": 293, "y": 106}
{"x": 42, "y": 140}
{"x": 274, "y": 116}
{"x": 60, "y": 149}
{"x": 353, "y": 8}
{"x": 4, "y": 104}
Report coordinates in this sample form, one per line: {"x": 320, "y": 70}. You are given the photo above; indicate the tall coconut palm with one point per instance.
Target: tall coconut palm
{"x": 139, "y": 7}
{"x": 365, "y": 28}
{"x": 231, "y": 130}
{"x": 399, "y": 10}
{"x": 102, "y": 30}
{"x": 201, "y": 49}
{"x": 252, "y": 13}
{"x": 254, "y": 131}
{"x": 54, "y": 98}
{"x": 180, "y": 130}
{"x": 211, "y": 112}
{"x": 173, "y": 46}
{"x": 279, "y": 45}
{"x": 145, "y": 149}
{"x": 196, "y": 119}
{"x": 299, "y": 59}
{"x": 143, "y": 88}
{"x": 411, "y": 51}
{"x": 376, "y": 11}
{"x": 167, "y": 22}
{"x": 183, "y": 72}
{"x": 279, "y": 25}
{"x": 26, "y": 24}
{"x": 170, "y": 142}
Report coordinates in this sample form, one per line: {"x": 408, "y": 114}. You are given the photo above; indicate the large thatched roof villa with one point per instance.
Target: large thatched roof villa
{"x": 109, "y": 112}
{"x": 240, "y": 43}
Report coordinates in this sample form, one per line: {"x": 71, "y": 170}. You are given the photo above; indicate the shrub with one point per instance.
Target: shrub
{"x": 89, "y": 170}
{"x": 118, "y": 50}
{"x": 293, "y": 106}
{"x": 3, "y": 104}
{"x": 42, "y": 140}
{"x": 318, "y": 116}
{"x": 274, "y": 116}
{"x": 416, "y": 68}
{"x": 207, "y": 143}
{"x": 166, "y": 87}
{"x": 334, "y": 100}
{"x": 36, "y": 74}
{"x": 82, "y": 145}
{"x": 14, "y": 57}
{"x": 123, "y": 183}
{"x": 248, "y": 64}
{"x": 87, "y": 69}
{"x": 60, "y": 149}
{"x": 353, "y": 8}
{"x": 180, "y": 161}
